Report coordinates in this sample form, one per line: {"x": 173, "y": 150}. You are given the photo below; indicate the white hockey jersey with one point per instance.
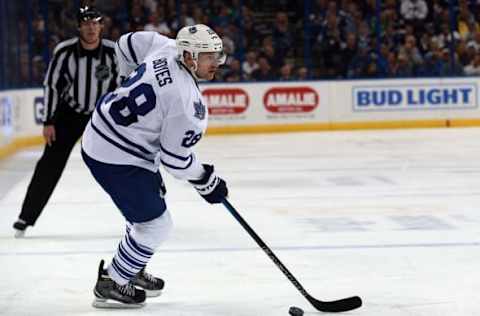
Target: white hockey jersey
{"x": 132, "y": 49}
{"x": 156, "y": 116}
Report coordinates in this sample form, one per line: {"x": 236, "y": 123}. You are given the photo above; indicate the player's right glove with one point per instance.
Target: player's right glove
{"x": 211, "y": 187}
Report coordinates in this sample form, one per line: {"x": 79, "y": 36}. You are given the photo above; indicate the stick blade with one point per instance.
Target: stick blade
{"x": 343, "y": 305}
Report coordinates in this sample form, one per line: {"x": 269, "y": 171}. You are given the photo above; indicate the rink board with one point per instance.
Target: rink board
{"x": 270, "y": 107}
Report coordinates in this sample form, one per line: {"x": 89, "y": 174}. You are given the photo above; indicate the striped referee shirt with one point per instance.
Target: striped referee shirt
{"x": 77, "y": 77}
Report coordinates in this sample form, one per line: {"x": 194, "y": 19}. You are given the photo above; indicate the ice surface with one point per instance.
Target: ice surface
{"x": 392, "y": 216}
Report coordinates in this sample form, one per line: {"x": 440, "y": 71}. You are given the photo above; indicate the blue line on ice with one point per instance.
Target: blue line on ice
{"x": 238, "y": 249}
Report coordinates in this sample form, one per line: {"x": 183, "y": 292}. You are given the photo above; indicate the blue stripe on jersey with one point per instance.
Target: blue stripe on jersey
{"x": 114, "y": 143}
{"x": 174, "y": 155}
{"x": 175, "y": 167}
{"x": 99, "y": 102}
{"x": 124, "y": 139}
{"x": 130, "y": 48}
{"x": 121, "y": 50}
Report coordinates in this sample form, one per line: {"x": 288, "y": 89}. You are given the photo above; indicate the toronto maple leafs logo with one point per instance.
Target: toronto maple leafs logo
{"x": 199, "y": 110}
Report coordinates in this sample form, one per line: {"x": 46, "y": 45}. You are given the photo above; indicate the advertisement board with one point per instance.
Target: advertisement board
{"x": 296, "y": 106}
{"x": 6, "y": 119}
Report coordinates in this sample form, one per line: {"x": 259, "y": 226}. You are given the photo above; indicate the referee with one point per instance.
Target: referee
{"x": 82, "y": 69}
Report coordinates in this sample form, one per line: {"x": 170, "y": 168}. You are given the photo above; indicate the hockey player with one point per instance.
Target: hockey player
{"x": 155, "y": 117}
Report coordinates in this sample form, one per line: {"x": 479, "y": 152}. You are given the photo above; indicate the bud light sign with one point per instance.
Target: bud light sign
{"x": 415, "y": 97}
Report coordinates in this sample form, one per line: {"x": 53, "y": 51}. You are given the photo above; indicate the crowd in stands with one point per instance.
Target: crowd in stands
{"x": 284, "y": 40}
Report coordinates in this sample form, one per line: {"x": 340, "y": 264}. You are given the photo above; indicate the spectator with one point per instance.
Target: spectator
{"x": 462, "y": 53}
{"x": 445, "y": 37}
{"x": 282, "y": 35}
{"x": 476, "y": 40}
{"x": 250, "y": 64}
{"x": 411, "y": 52}
{"x": 286, "y": 73}
{"x": 185, "y": 18}
{"x": 268, "y": 51}
{"x": 473, "y": 69}
{"x": 451, "y": 67}
{"x": 414, "y": 9}
{"x": 404, "y": 66}
{"x": 138, "y": 17}
{"x": 234, "y": 74}
{"x": 471, "y": 50}
{"x": 433, "y": 65}
{"x": 115, "y": 33}
{"x": 302, "y": 73}
{"x": 342, "y": 34}
{"x": 198, "y": 15}
{"x": 358, "y": 62}
{"x": 467, "y": 25}
{"x": 158, "y": 24}
{"x": 347, "y": 52}
{"x": 222, "y": 18}
{"x": 263, "y": 73}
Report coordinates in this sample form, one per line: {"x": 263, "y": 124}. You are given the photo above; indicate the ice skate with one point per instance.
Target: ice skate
{"x": 153, "y": 286}
{"x": 109, "y": 294}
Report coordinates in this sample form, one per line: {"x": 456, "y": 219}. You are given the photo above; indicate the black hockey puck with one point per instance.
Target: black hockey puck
{"x": 295, "y": 311}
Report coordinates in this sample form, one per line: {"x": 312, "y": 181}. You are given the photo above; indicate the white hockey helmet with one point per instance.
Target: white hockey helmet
{"x": 197, "y": 39}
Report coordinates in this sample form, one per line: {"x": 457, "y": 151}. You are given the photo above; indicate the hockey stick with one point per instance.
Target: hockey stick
{"x": 341, "y": 305}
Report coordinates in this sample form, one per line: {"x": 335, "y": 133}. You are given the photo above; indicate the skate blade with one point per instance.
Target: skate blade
{"x": 153, "y": 293}
{"x": 19, "y": 233}
{"x": 111, "y": 304}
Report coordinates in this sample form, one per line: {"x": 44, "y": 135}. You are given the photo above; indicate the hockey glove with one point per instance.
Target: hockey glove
{"x": 212, "y": 188}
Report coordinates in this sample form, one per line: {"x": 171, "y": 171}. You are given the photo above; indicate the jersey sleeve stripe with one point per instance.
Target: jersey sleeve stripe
{"x": 114, "y": 143}
{"x": 174, "y": 155}
{"x": 176, "y": 167}
{"x": 120, "y": 136}
{"x": 130, "y": 48}
{"x": 121, "y": 50}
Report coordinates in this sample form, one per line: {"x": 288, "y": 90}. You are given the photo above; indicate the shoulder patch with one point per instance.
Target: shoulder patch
{"x": 199, "y": 110}
{"x": 102, "y": 72}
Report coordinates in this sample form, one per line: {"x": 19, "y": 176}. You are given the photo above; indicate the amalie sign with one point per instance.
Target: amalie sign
{"x": 226, "y": 101}
{"x": 290, "y": 100}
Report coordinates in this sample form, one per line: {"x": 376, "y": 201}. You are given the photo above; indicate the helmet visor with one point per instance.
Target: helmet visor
{"x": 221, "y": 57}
{"x": 218, "y": 57}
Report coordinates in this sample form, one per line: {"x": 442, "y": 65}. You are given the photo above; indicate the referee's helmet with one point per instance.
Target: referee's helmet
{"x": 88, "y": 13}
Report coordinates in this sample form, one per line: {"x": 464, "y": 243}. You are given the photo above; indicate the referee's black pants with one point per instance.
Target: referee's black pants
{"x": 69, "y": 126}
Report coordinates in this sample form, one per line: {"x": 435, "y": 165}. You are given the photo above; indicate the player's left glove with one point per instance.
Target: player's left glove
{"x": 211, "y": 187}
